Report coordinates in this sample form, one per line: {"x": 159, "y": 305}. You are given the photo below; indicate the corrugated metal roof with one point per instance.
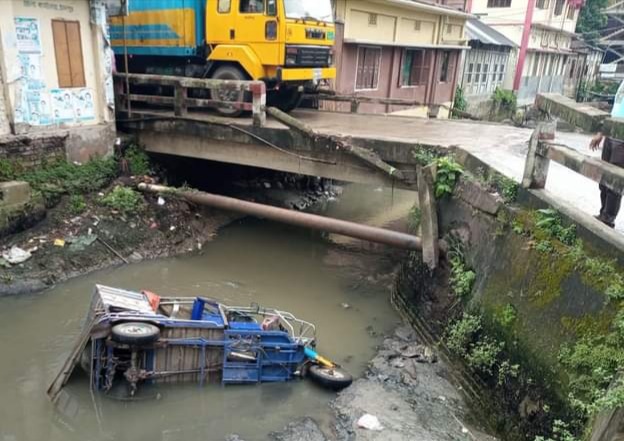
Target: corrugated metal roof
{"x": 477, "y": 30}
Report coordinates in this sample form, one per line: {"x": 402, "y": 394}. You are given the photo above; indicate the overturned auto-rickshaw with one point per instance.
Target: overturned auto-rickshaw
{"x": 140, "y": 337}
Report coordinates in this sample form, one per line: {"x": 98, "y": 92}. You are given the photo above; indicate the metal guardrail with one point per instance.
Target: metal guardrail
{"x": 543, "y": 149}
{"x": 181, "y": 101}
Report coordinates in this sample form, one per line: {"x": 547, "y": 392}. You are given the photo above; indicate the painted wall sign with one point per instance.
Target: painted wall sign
{"x": 48, "y": 5}
{"x": 28, "y": 35}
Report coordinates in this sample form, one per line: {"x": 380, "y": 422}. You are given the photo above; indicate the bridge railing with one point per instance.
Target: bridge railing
{"x": 543, "y": 149}
{"x": 181, "y": 101}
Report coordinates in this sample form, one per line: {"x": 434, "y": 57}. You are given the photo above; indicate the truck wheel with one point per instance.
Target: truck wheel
{"x": 285, "y": 99}
{"x": 330, "y": 378}
{"x": 228, "y": 73}
{"x": 135, "y": 333}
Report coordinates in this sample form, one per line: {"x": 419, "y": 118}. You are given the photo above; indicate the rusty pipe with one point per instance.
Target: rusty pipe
{"x": 306, "y": 220}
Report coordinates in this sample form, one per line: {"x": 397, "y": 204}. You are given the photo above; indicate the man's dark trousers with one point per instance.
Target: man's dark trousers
{"x": 613, "y": 153}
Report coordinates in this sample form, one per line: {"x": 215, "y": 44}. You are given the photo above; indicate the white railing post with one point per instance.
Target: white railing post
{"x": 258, "y": 92}
{"x": 536, "y": 166}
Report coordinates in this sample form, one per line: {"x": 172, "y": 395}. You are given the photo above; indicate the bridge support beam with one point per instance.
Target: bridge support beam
{"x": 306, "y": 220}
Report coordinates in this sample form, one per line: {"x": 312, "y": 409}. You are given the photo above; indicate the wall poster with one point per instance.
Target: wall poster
{"x": 28, "y": 35}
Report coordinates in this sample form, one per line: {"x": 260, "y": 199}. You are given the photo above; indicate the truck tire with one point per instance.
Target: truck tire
{"x": 330, "y": 378}
{"x": 135, "y": 333}
{"x": 228, "y": 72}
{"x": 286, "y": 99}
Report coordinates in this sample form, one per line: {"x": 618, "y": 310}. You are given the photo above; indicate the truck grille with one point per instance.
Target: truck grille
{"x": 312, "y": 56}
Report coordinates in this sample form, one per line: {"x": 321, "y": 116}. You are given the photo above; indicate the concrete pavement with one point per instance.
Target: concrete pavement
{"x": 502, "y": 147}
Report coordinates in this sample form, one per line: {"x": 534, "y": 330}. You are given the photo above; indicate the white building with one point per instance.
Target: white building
{"x": 56, "y": 75}
{"x": 542, "y": 30}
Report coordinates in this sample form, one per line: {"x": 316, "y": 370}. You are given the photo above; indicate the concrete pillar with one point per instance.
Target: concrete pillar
{"x": 536, "y": 166}
{"x": 429, "y": 216}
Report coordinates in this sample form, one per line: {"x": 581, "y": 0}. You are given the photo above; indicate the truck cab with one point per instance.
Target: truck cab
{"x": 286, "y": 43}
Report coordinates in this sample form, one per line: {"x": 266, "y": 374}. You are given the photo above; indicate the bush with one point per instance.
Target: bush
{"x": 505, "y": 99}
{"x": 123, "y": 199}
{"x": 484, "y": 355}
{"x": 77, "y": 204}
{"x": 138, "y": 161}
{"x": 462, "y": 333}
{"x": 448, "y": 172}
{"x": 459, "y": 102}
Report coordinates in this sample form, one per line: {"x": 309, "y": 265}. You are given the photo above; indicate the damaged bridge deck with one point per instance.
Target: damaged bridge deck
{"x": 391, "y": 138}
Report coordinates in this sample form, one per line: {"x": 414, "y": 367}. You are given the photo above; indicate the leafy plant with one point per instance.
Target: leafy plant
{"x": 461, "y": 279}
{"x": 424, "y": 156}
{"x": 77, "y": 204}
{"x": 549, "y": 222}
{"x": 138, "y": 161}
{"x": 7, "y": 170}
{"x": 448, "y": 172}
{"x": 413, "y": 219}
{"x": 123, "y": 199}
{"x": 560, "y": 432}
{"x": 484, "y": 355}
{"x": 459, "y": 103}
{"x": 508, "y": 315}
{"x": 507, "y": 371}
{"x": 592, "y": 19}
{"x": 462, "y": 333}
{"x": 506, "y": 187}
{"x": 505, "y": 99}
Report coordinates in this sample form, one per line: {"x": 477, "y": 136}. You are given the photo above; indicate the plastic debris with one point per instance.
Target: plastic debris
{"x": 369, "y": 422}
{"x": 161, "y": 201}
{"x": 16, "y": 255}
{"x": 345, "y": 305}
{"x": 80, "y": 243}
{"x": 172, "y": 228}
{"x": 59, "y": 243}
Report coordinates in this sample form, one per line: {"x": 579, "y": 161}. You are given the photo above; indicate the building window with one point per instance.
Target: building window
{"x": 571, "y": 12}
{"x": 500, "y": 72}
{"x": 559, "y": 7}
{"x": 417, "y": 25}
{"x": 415, "y": 69}
{"x": 469, "y": 73}
{"x": 224, "y": 6}
{"x": 252, "y": 6}
{"x": 369, "y": 62}
{"x": 499, "y": 3}
{"x": 446, "y": 67}
{"x": 372, "y": 19}
{"x": 542, "y": 4}
{"x": 68, "y": 52}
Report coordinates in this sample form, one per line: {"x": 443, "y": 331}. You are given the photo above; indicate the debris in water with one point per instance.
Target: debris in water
{"x": 161, "y": 201}
{"x": 345, "y": 305}
{"x": 172, "y": 228}
{"x": 80, "y": 243}
{"x": 59, "y": 243}
{"x": 16, "y": 255}
{"x": 369, "y": 422}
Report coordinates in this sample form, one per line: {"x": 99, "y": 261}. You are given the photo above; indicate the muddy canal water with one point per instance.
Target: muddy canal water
{"x": 340, "y": 285}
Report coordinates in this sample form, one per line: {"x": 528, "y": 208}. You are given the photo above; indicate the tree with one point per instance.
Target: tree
{"x": 592, "y": 19}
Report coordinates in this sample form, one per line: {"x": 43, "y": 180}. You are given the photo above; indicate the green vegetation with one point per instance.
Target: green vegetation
{"x": 605, "y": 87}
{"x": 548, "y": 221}
{"x": 592, "y": 19}
{"x": 507, "y": 316}
{"x": 413, "y": 219}
{"x": 447, "y": 175}
{"x": 77, "y": 204}
{"x": 560, "y": 432}
{"x": 505, "y": 99}
{"x": 8, "y": 170}
{"x": 138, "y": 161}
{"x": 123, "y": 199}
{"x": 506, "y": 187}
{"x": 459, "y": 103}
{"x": 425, "y": 155}
{"x": 483, "y": 353}
{"x": 462, "y": 279}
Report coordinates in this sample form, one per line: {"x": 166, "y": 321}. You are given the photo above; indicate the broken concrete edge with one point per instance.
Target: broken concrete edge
{"x": 578, "y": 114}
{"x": 604, "y": 239}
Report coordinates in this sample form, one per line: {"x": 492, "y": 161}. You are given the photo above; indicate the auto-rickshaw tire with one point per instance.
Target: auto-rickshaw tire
{"x": 330, "y": 378}
{"x": 135, "y": 333}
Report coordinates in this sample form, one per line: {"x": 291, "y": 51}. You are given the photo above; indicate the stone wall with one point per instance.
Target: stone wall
{"x": 77, "y": 144}
{"x": 580, "y": 115}
{"x": 28, "y": 151}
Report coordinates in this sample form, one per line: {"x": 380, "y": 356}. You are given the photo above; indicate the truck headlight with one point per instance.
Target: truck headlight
{"x": 291, "y": 56}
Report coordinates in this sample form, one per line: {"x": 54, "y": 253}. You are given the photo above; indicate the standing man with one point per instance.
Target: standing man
{"x": 613, "y": 153}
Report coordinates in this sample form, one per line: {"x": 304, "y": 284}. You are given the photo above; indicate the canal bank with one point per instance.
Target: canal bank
{"x": 340, "y": 285}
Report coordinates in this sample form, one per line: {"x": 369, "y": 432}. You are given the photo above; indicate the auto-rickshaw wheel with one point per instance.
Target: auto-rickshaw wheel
{"x": 135, "y": 333}
{"x": 331, "y": 378}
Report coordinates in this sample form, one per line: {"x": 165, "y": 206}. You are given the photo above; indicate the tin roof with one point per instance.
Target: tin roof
{"x": 479, "y": 31}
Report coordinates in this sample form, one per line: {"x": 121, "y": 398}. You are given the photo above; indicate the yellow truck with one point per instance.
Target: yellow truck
{"x": 288, "y": 44}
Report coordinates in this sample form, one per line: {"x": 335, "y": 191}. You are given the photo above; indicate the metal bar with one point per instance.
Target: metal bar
{"x": 189, "y": 83}
{"x": 306, "y": 220}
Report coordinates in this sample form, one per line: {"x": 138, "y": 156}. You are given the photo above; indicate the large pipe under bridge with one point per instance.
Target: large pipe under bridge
{"x": 297, "y": 218}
